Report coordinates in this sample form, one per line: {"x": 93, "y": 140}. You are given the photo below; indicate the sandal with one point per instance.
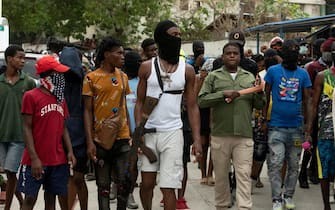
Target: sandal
{"x": 211, "y": 181}
{"x": 203, "y": 180}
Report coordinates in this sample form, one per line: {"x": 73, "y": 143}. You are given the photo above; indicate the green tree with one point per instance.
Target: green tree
{"x": 36, "y": 19}
{"x": 276, "y": 10}
{"x": 128, "y": 20}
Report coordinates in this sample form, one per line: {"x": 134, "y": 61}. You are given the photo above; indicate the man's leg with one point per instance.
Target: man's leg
{"x": 11, "y": 162}
{"x": 77, "y": 186}
{"x": 169, "y": 198}
{"x": 103, "y": 177}
{"x": 146, "y": 189}
{"x": 275, "y": 161}
{"x": 221, "y": 153}
{"x": 242, "y": 161}
{"x": 121, "y": 167}
{"x": 10, "y": 189}
{"x": 293, "y": 154}
{"x": 29, "y": 202}
{"x": 50, "y": 201}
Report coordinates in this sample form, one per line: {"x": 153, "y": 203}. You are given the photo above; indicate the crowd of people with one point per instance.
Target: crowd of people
{"x": 233, "y": 113}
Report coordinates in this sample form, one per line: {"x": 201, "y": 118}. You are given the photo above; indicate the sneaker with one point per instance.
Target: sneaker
{"x": 113, "y": 192}
{"x": 181, "y": 204}
{"x": 331, "y": 199}
{"x": 277, "y": 205}
{"x": 161, "y": 203}
{"x": 289, "y": 204}
{"x": 131, "y": 204}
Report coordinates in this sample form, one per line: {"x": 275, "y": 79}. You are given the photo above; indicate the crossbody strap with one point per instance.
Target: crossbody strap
{"x": 160, "y": 82}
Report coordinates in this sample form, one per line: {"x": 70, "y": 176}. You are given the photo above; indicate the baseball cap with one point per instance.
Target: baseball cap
{"x": 49, "y": 62}
{"x": 326, "y": 45}
{"x": 276, "y": 40}
{"x": 237, "y": 37}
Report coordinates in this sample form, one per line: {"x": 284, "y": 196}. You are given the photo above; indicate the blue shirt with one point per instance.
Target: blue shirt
{"x": 287, "y": 90}
{"x": 131, "y": 101}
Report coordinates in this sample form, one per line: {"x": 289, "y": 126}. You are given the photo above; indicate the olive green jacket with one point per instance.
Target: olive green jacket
{"x": 230, "y": 119}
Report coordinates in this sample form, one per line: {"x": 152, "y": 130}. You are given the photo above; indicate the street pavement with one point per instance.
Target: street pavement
{"x": 201, "y": 197}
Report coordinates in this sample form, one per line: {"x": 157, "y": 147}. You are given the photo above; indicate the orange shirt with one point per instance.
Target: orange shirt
{"x": 106, "y": 89}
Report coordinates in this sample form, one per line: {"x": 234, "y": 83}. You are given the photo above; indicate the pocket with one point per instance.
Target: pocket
{"x": 179, "y": 169}
{"x": 215, "y": 146}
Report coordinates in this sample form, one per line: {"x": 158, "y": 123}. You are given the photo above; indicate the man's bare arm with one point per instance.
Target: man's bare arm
{"x": 193, "y": 110}
{"x": 143, "y": 75}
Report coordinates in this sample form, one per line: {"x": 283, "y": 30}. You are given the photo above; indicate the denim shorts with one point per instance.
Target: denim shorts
{"x": 54, "y": 180}
{"x": 326, "y": 158}
{"x": 10, "y": 155}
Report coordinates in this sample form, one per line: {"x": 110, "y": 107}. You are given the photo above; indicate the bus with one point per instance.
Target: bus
{"x": 4, "y": 34}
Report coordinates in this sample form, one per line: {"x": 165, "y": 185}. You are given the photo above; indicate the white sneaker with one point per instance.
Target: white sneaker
{"x": 131, "y": 204}
{"x": 277, "y": 205}
{"x": 331, "y": 199}
{"x": 113, "y": 192}
{"x": 289, "y": 204}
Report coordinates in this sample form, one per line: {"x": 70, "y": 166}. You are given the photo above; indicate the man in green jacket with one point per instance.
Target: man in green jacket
{"x": 231, "y": 132}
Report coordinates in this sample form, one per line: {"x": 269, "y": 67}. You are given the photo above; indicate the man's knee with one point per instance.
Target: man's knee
{"x": 104, "y": 191}
{"x": 29, "y": 202}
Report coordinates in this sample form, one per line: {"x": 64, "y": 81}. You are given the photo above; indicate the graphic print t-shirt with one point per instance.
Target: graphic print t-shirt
{"x": 287, "y": 91}
{"x": 47, "y": 127}
{"x": 106, "y": 89}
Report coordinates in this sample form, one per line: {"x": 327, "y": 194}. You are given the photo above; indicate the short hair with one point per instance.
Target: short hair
{"x": 107, "y": 44}
{"x": 147, "y": 42}
{"x": 257, "y": 57}
{"x": 12, "y": 50}
{"x": 231, "y": 44}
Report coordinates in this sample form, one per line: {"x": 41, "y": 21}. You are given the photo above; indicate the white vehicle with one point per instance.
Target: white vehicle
{"x": 4, "y": 33}
{"x": 29, "y": 65}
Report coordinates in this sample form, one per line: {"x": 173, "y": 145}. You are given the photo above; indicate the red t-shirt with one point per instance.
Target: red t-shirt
{"x": 47, "y": 127}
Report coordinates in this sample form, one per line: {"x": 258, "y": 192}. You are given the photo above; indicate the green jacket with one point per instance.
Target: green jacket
{"x": 233, "y": 119}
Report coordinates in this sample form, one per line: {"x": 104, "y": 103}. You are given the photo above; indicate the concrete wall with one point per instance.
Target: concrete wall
{"x": 214, "y": 48}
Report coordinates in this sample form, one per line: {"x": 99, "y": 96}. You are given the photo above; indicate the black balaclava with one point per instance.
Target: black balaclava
{"x": 290, "y": 53}
{"x": 198, "y": 48}
{"x": 168, "y": 46}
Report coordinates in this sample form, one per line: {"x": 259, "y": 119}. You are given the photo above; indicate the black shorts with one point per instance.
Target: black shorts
{"x": 82, "y": 159}
{"x": 205, "y": 129}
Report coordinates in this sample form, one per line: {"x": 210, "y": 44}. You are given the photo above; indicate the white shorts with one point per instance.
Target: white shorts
{"x": 168, "y": 147}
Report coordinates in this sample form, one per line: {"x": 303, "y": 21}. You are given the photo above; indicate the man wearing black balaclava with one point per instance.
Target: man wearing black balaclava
{"x": 198, "y": 58}
{"x": 177, "y": 82}
{"x": 289, "y": 86}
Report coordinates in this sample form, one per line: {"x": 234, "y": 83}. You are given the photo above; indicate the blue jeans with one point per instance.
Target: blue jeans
{"x": 284, "y": 144}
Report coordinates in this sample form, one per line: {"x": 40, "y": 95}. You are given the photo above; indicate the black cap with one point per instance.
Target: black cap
{"x": 270, "y": 52}
{"x": 237, "y": 37}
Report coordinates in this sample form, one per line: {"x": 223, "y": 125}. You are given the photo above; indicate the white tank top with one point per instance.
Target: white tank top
{"x": 166, "y": 116}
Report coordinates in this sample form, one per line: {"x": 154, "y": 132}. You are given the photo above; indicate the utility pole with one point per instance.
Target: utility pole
{"x": 0, "y": 8}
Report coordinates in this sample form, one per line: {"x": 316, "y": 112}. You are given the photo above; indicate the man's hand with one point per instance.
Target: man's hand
{"x": 230, "y": 95}
{"x": 36, "y": 168}
{"x": 199, "y": 60}
{"x": 92, "y": 151}
{"x": 197, "y": 150}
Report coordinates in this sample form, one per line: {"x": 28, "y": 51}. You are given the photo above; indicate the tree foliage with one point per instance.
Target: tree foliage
{"x": 126, "y": 19}
{"x": 31, "y": 20}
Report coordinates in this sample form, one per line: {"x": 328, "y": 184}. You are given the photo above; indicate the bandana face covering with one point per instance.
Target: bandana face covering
{"x": 55, "y": 84}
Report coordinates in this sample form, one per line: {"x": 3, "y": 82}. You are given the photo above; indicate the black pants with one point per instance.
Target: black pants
{"x": 116, "y": 160}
